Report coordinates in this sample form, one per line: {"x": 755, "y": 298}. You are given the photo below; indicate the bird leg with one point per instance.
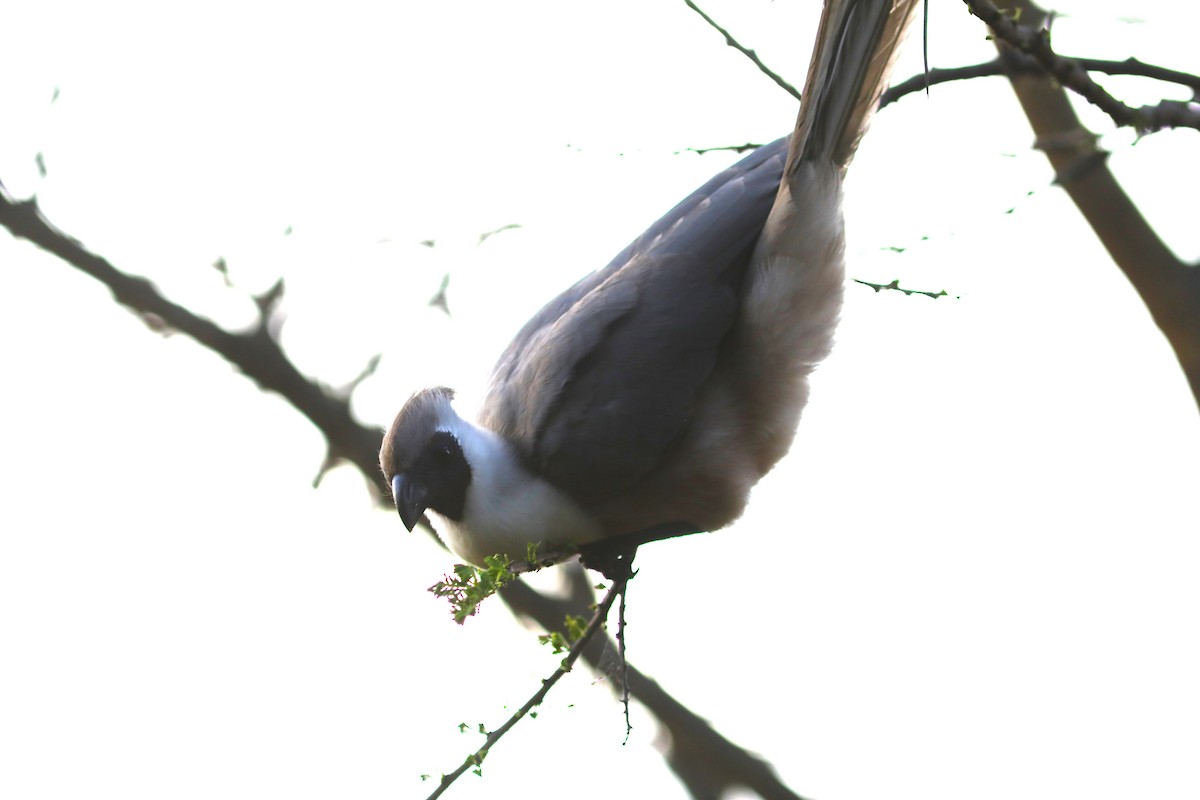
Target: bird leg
{"x": 613, "y": 555}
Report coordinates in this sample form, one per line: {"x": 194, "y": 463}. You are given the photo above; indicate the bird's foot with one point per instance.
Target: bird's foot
{"x": 612, "y": 557}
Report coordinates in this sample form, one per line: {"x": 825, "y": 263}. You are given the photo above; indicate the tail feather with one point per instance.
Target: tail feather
{"x": 857, "y": 44}
{"x": 794, "y": 287}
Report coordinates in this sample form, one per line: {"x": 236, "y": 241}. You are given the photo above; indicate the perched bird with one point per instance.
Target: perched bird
{"x": 646, "y": 400}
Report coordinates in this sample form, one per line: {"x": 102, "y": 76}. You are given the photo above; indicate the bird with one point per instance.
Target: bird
{"x": 645, "y": 401}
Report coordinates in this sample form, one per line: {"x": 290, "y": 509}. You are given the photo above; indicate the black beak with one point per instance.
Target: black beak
{"x": 410, "y": 499}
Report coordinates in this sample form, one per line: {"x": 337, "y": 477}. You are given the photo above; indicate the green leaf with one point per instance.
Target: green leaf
{"x": 575, "y": 627}
{"x": 470, "y": 586}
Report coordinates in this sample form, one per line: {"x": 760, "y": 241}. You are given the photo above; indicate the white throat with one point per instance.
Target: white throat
{"x": 507, "y": 507}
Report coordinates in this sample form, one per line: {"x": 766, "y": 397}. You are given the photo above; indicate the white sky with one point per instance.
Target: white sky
{"x": 975, "y": 576}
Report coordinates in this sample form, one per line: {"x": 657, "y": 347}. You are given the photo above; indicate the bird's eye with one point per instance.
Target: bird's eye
{"x": 442, "y": 450}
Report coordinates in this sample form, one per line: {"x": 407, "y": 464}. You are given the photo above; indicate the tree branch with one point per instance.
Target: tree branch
{"x": 707, "y": 763}
{"x": 1019, "y": 63}
{"x": 597, "y": 621}
{"x": 1169, "y": 288}
{"x": 256, "y": 353}
{"x": 746, "y": 51}
{"x": 1034, "y": 40}
{"x": 895, "y": 286}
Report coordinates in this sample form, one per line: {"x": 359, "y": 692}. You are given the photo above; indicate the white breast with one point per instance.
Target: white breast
{"x": 507, "y": 507}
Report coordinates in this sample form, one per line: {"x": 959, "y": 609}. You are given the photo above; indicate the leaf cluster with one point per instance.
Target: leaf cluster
{"x": 469, "y": 586}
{"x": 561, "y": 641}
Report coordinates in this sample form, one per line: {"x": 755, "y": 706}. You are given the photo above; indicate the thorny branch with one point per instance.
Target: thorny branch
{"x": 256, "y": 352}
{"x": 1022, "y": 63}
{"x": 475, "y": 760}
{"x": 746, "y": 51}
{"x": 1034, "y": 40}
{"x": 895, "y": 286}
{"x": 707, "y": 763}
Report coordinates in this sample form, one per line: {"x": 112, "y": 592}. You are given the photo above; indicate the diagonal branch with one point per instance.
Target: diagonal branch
{"x": 746, "y": 51}
{"x": 1169, "y": 288}
{"x": 705, "y": 761}
{"x": 256, "y": 352}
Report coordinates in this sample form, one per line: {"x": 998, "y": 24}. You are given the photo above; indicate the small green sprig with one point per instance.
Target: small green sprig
{"x": 474, "y": 762}
{"x": 469, "y": 586}
{"x": 561, "y": 641}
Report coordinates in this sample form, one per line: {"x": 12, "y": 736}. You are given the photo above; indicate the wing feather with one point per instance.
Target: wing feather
{"x": 599, "y": 384}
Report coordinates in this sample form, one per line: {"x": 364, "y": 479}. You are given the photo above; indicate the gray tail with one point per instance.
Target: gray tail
{"x": 857, "y": 44}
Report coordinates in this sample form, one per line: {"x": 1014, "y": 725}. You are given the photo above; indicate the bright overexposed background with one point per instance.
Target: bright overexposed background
{"x": 974, "y": 577}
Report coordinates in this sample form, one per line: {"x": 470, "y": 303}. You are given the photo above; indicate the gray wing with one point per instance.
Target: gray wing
{"x": 600, "y": 382}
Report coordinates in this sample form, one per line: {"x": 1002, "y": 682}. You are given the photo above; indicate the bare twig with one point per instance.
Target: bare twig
{"x": 483, "y": 237}
{"x": 746, "y": 51}
{"x": 734, "y": 148}
{"x": 895, "y": 286}
{"x": 256, "y": 352}
{"x": 1021, "y": 63}
{"x": 1034, "y": 40}
{"x": 1132, "y": 66}
{"x": 707, "y": 763}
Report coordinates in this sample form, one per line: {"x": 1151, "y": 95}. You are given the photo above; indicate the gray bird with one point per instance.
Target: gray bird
{"x": 646, "y": 400}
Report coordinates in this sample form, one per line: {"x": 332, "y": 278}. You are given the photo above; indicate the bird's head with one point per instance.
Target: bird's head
{"x": 422, "y": 458}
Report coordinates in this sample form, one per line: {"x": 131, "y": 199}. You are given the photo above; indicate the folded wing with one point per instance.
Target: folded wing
{"x": 599, "y": 384}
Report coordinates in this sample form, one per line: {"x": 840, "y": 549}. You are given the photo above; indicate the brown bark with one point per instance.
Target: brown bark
{"x": 1169, "y": 287}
